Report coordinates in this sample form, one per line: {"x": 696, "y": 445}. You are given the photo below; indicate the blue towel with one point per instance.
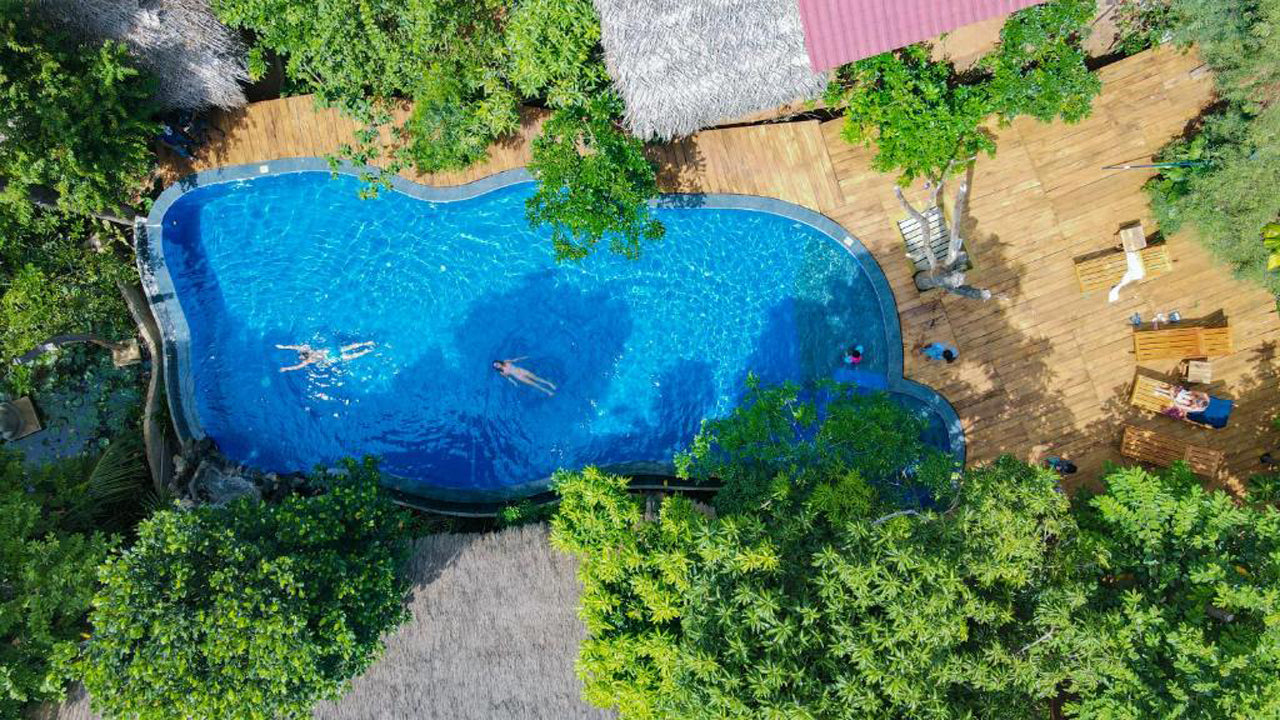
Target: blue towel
{"x": 1216, "y": 415}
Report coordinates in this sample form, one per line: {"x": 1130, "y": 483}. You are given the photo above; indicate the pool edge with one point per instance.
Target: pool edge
{"x": 175, "y": 332}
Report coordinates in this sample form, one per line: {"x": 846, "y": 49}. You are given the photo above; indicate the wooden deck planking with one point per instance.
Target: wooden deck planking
{"x": 1045, "y": 362}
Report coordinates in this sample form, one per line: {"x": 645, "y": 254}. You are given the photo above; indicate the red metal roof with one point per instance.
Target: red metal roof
{"x": 841, "y": 31}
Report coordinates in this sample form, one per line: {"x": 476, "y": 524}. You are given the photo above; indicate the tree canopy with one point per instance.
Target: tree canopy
{"x": 251, "y": 610}
{"x": 922, "y": 115}
{"x": 466, "y": 68}
{"x": 1183, "y": 615}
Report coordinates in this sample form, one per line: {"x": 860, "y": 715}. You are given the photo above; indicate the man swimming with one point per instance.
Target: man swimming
{"x": 513, "y": 373}
{"x": 308, "y": 355}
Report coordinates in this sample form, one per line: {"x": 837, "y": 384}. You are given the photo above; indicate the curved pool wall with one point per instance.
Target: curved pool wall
{"x": 177, "y": 338}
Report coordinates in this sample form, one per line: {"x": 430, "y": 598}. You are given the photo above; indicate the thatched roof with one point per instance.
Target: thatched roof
{"x": 494, "y": 635}
{"x": 682, "y": 65}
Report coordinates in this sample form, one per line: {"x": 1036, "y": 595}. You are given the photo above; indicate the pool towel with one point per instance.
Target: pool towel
{"x": 1216, "y": 415}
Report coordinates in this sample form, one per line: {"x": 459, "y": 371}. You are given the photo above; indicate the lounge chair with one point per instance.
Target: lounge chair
{"x": 1162, "y": 451}
{"x": 1181, "y": 341}
{"x": 18, "y": 419}
{"x": 1156, "y": 396}
{"x": 1102, "y": 271}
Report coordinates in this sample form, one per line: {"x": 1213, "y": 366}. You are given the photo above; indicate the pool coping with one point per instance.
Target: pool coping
{"x": 176, "y": 333}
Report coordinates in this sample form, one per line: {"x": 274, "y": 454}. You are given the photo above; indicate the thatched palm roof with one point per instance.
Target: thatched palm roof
{"x": 494, "y": 636}
{"x": 682, "y": 65}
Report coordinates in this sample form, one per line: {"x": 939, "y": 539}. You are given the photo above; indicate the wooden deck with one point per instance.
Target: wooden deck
{"x": 1042, "y": 364}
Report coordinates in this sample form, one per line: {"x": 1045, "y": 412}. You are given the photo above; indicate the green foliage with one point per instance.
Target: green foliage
{"x": 555, "y": 51}
{"x": 1142, "y": 24}
{"x": 467, "y": 66}
{"x": 75, "y": 116}
{"x": 463, "y": 100}
{"x": 922, "y": 116}
{"x": 635, "y": 575}
{"x": 1184, "y": 617}
{"x": 1038, "y": 69}
{"x": 789, "y": 614}
{"x": 777, "y": 449}
{"x": 913, "y": 108}
{"x": 52, "y": 283}
{"x": 594, "y": 182}
{"x": 49, "y": 552}
{"x": 251, "y": 610}
{"x": 1227, "y": 190}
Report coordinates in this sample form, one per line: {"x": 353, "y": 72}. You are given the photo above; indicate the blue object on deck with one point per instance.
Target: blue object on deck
{"x": 1216, "y": 415}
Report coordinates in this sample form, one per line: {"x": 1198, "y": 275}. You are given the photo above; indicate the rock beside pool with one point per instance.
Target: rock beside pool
{"x": 219, "y": 486}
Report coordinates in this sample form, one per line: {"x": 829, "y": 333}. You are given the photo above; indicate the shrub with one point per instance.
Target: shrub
{"x": 1230, "y": 165}
{"x": 49, "y": 552}
{"x": 75, "y": 117}
{"x": 52, "y": 283}
{"x": 1181, "y": 620}
{"x": 250, "y": 610}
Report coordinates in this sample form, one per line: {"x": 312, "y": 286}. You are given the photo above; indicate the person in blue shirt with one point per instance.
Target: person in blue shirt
{"x": 939, "y": 351}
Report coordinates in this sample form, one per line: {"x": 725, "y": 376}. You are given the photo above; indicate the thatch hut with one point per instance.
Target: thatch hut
{"x": 682, "y": 65}
{"x": 494, "y": 635}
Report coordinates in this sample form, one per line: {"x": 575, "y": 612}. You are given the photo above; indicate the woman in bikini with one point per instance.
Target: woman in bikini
{"x": 514, "y": 373}
{"x": 308, "y": 355}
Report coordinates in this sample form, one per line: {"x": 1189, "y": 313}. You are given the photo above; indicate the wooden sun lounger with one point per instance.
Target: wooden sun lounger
{"x": 1102, "y": 272}
{"x": 1181, "y": 341}
{"x": 1163, "y": 451}
{"x": 1156, "y": 396}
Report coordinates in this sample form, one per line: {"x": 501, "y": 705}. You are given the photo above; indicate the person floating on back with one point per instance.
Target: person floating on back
{"x": 514, "y": 373}
{"x": 308, "y": 355}
{"x": 939, "y": 351}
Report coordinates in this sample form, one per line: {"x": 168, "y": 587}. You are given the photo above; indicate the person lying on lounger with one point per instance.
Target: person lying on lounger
{"x": 514, "y": 373}
{"x": 308, "y": 355}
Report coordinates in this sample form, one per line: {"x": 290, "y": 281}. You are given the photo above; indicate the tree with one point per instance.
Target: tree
{"x": 1182, "y": 620}
{"x": 49, "y": 552}
{"x": 819, "y": 589}
{"x": 467, "y": 67}
{"x": 920, "y": 117}
{"x": 594, "y": 182}
{"x": 251, "y": 610}
{"x": 1039, "y": 69}
{"x": 76, "y": 118}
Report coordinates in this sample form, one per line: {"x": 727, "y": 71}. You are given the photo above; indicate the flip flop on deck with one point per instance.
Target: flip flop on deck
{"x": 18, "y": 419}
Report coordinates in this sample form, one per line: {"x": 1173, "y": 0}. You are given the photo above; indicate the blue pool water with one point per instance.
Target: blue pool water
{"x": 641, "y": 351}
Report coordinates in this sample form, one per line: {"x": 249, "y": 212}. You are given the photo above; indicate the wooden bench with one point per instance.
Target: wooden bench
{"x": 1102, "y": 272}
{"x": 1180, "y": 341}
{"x": 1163, "y": 451}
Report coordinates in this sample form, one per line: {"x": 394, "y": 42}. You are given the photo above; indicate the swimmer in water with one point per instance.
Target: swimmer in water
{"x": 308, "y": 355}
{"x": 514, "y": 373}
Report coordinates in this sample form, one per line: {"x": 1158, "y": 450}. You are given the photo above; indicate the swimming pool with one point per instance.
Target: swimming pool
{"x": 441, "y": 282}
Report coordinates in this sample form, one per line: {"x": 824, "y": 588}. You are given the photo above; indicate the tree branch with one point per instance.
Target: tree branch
{"x": 893, "y": 515}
